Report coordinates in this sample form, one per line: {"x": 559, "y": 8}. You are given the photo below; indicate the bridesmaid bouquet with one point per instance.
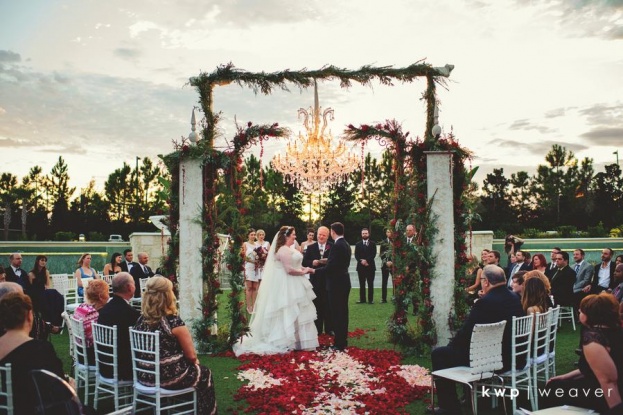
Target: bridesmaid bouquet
{"x": 260, "y": 257}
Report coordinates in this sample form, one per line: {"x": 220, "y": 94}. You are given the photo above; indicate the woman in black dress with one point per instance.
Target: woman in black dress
{"x": 22, "y": 352}
{"x": 599, "y": 376}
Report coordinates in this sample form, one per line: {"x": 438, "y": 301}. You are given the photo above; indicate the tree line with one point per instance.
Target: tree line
{"x": 564, "y": 195}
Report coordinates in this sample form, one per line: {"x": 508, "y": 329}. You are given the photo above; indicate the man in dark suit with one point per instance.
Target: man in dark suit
{"x": 15, "y": 273}
{"x": 562, "y": 281}
{"x": 140, "y": 271}
{"x": 365, "y": 252}
{"x": 316, "y": 255}
{"x": 603, "y": 277}
{"x": 551, "y": 267}
{"x": 497, "y": 304}
{"x": 338, "y": 283}
{"x": 386, "y": 263}
{"x": 127, "y": 264}
{"x": 118, "y": 312}
{"x": 520, "y": 265}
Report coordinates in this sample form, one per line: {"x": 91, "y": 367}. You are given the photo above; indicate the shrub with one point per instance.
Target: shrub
{"x": 567, "y": 231}
{"x": 64, "y": 236}
{"x": 96, "y": 236}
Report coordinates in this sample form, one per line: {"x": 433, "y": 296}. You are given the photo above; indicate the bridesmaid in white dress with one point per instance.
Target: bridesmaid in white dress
{"x": 251, "y": 281}
{"x": 284, "y": 312}
{"x": 265, "y": 246}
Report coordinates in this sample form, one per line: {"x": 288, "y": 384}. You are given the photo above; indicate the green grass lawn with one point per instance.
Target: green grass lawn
{"x": 370, "y": 317}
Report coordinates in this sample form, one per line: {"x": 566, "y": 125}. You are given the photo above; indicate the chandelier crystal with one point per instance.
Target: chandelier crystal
{"x": 312, "y": 162}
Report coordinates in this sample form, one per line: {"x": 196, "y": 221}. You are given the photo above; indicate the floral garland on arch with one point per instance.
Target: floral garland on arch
{"x": 413, "y": 268}
{"x": 461, "y": 179}
{"x": 213, "y": 161}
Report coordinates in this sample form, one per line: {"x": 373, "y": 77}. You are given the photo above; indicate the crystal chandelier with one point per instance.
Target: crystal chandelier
{"x": 312, "y": 162}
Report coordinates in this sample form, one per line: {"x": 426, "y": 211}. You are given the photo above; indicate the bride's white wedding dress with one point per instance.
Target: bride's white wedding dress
{"x": 284, "y": 313}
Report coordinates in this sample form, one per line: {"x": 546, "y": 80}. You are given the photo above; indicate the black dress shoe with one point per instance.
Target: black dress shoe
{"x": 361, "y": 302}
{"x": 383, "y": 301}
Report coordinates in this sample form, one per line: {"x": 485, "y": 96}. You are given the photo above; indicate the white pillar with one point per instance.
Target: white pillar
{"x": 190, "y": 233}
{"x": 439, "y": 184}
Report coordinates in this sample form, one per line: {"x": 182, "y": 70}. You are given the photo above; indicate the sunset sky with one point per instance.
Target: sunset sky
{"x": 103, "y": 82}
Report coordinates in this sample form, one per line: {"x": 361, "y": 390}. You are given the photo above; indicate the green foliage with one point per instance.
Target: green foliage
{"x": 96, "y": 237}
{"x": 567, "y": 231}
{"x": 64, "y": 236}
{"x": 597, "y": 231}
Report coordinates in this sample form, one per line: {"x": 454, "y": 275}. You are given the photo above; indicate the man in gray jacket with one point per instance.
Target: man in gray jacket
{"x": 584, "y": 274}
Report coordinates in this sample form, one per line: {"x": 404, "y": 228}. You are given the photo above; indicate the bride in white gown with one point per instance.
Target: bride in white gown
{"x": 284, "y": 313}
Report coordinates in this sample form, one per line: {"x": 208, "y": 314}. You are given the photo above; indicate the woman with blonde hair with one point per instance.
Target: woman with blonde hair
{"x": 261, "y": 259}
{"x": 97, "y": 295}
{"x": 179, "y": 365}
{"x": 251, "y": 281}
{"x": 84, "y": 272}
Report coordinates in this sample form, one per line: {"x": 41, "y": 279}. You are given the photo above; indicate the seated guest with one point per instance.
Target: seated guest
{"x": 22, "y": 352}
{"x": 562, "y": 281}
{"x": 497, "y": 304}
{"x": 2, "y": 274}
{"x": 517, "y": 282}
{"x": 539, "y": 263}
{"x": 114, "y": 266}
{"x": 118, "y": 312}
{"x": 39, "y": 328}
{"x": 84, "y": 272}
{"x": 48, "y": 304}
{"x": 618, "y": 279}
{"x": 140, "y": 271}
{"x": 618, "y": 260}
{"x": 88, "y": 312}
{"x": 600, "y": 369}
{"x": 535, "y": 298}
{"x": 179, "y": 366}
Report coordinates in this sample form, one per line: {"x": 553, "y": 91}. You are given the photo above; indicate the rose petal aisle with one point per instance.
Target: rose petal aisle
{"x": 356, "y": 381}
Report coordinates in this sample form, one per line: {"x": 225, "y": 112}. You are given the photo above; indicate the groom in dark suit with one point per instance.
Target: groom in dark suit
{"x": 316, "y": 255}
{"x": 338, "y": 283}
{"x": 118, "y": 312}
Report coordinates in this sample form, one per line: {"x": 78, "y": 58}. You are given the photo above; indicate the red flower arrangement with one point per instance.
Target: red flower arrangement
{"x": 260, "y": 257}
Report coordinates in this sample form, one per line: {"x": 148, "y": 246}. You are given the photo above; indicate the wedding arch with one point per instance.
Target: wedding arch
{"x": 430, "y": 179}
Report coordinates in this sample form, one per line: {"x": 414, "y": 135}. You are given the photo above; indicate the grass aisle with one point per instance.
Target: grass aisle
{"x": 369, "y": 317}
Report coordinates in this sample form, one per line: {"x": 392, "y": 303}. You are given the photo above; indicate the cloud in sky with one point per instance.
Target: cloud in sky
{"x": 527, "y": 74}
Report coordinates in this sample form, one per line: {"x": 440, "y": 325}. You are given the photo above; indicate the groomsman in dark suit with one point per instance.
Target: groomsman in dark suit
{"x": 386, "y": 263}
{"x": 316, "y": 255}
{"x": 118, "y": 312}
{"x": 365, "y": 252}
{"x": 127, "y": 264}
{"x": 15, "y": 273}
{"x": 338, "y": 283}
{"x": 141, "y": 270}
{"x": 563, "y": 280}
{"x": 603, "y": 277}
{"x": 551, "y": 267}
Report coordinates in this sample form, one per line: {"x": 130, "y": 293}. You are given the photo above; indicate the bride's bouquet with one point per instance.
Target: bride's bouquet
{"x": 260, "y": 257}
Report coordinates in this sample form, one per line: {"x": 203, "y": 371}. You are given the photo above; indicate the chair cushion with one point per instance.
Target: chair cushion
{"x": 111, "y": 381}
{"x": 151, "y": 390}
{"x": 461, "y": 374}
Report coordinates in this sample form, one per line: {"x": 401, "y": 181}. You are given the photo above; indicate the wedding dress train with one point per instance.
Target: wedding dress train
{"x": 284, "y": 313}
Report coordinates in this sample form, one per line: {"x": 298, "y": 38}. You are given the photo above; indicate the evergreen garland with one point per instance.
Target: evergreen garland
{"x": 213, "y": 160}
